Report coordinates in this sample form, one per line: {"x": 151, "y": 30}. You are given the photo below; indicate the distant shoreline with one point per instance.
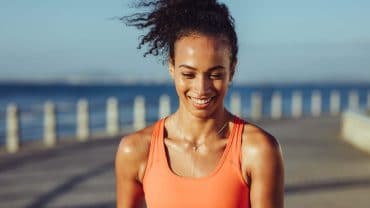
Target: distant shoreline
{"x": 7, "y": 83}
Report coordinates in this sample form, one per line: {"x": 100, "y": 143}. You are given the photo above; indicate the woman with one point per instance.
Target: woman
{"x": 202, "y": 155}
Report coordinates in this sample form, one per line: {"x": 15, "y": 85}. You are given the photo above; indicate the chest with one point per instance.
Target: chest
{"x": 215, "y": 182}
{"x": 188, "y": 160}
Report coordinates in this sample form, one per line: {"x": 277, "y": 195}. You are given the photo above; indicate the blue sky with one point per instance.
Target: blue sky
{"x": 280, "y": 41}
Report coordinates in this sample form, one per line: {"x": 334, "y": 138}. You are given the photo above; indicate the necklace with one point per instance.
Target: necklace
{"x": 196, "y": 146}
{"x": 222, "y": 128}
{"x": 193, "y": 157}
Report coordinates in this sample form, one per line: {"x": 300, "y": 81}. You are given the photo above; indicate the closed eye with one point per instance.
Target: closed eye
{"x": 216, "y": 76}
{"x": 187, "y": 75}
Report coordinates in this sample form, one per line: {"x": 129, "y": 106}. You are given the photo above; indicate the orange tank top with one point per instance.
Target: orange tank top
{"x": 224, "y": 187}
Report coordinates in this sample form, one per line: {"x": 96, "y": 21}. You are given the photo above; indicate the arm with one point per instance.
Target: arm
{"x": 129, "y": 160}
{"x": 266, "y": 172}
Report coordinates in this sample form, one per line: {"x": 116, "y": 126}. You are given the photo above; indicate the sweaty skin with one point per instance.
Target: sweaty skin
{"x": 202, "y": 71}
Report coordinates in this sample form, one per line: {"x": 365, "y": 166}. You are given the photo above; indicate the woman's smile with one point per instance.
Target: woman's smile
{"x": 201, "y": 103}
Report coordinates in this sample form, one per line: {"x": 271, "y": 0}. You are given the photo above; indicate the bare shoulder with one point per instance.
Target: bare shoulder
{"x": 255, "y": 137}
{"x": 133, "y": 151}
{"x": 135, "y": 144}
{"x": 259, "y": 147}
{"x": 263, "y": 167}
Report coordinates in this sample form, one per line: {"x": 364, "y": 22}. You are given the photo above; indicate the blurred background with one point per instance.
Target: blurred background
{"x": 70, "y": 70}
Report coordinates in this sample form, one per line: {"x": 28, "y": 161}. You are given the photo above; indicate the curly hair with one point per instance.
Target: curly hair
{"x": 169, "y": 20}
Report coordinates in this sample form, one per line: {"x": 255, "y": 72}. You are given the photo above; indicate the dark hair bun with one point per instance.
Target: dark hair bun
{"x": 185, "y": 2}
{"x": 168, "y": 20}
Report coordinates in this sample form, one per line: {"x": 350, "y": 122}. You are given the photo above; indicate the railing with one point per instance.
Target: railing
{"x": 83, "y": 131}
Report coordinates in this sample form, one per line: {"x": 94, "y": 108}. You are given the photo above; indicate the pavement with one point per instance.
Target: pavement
{"x": 321, "y": 170}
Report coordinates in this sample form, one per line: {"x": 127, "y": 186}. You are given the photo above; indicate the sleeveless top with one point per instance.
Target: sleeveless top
{"x": 224, "y": 187}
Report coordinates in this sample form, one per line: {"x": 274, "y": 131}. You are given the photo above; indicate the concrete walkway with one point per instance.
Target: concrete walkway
{"x": 321, "y": 170}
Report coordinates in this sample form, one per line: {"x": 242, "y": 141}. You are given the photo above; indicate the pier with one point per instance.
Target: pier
{"x": 322, "y": 170}
{"x": 138, "y": 114}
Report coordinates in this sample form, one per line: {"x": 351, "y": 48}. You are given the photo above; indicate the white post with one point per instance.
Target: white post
{"x": 316, "y": 103}
{"x": 164, "y": 106}
{"x": 12, "y": 129}
{"x": 139, "y": 113}
{"x": 276, "y": 106}
{"x": 297, "y": 104}
{"x": 112, "y": 117}
{"x": 82, "y": 120}
{"x": 235, "y": 104}
{"x": 334, "y": 102}
{"x": 50, "y": 138}
{"x": 256, "y": 105}
{"x": 353, "y": 102}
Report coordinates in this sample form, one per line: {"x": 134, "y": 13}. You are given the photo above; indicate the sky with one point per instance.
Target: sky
{"x": 286, "y": 41}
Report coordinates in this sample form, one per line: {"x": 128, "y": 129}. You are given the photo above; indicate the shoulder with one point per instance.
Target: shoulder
{"x": 136, "y": 143}
{"x": 263, "y": 167}
{"x": 257, "y": 138}
{"x": 133, "y": 152}
{"x": 259, "y": 147}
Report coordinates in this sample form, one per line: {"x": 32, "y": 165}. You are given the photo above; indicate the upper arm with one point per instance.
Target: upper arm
{"x": 129, "y": 159}
{"x": 266, "y": 172}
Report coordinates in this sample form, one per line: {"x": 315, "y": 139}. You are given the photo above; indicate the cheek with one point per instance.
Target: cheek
{"x": 223, "y": 87}
{"x": 180, "y": 85}
{"x": 179, "y": 82}
{"x": 222, "y": 84}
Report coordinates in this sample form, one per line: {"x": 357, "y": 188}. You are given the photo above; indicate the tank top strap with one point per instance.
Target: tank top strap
{"x": 154, "y": 149}
{"x": 235, "y": 149}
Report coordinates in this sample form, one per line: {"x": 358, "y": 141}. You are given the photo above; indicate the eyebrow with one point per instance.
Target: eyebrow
{"x": 217, "y": 67}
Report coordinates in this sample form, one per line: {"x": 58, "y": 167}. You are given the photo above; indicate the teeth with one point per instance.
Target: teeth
{"x": 201, "y": 101}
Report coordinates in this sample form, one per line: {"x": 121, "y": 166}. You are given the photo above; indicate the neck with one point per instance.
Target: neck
{"x": 201, "y": 129}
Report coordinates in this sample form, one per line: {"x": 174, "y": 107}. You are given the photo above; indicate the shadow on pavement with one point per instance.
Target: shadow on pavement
{"x": 9, "y": 162}
{"x": 70, "y": 184}
{"x": 327, "y": 185}
{"x": 98, "y": 205}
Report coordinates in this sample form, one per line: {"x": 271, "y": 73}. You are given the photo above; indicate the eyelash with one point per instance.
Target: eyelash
{"x": 216, "y": 76}
{"x": 187, "y": 75}
{"x": 212, "y": 76}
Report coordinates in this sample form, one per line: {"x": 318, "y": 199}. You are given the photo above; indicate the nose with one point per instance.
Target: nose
{"x": 203, "y": 85}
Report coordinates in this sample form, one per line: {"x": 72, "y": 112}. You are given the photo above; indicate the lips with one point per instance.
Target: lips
{"x": 201, "y": 103}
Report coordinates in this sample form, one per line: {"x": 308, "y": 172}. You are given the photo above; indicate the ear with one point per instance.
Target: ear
{"x": 232, "y": 69}
{"x": 171, "y": 68}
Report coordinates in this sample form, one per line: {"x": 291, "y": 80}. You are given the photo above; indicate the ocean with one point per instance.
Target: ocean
{"x": 30, "y": 99}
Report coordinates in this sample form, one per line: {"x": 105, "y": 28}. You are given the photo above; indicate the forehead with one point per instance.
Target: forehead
{"x": 201, "y": 46}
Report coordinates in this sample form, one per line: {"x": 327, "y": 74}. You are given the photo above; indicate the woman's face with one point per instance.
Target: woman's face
{"x": 201, "y": 71}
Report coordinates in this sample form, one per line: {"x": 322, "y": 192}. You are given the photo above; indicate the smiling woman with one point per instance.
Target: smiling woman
{"x": 202, "y": 155}
{"x": 201, "y": 70}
